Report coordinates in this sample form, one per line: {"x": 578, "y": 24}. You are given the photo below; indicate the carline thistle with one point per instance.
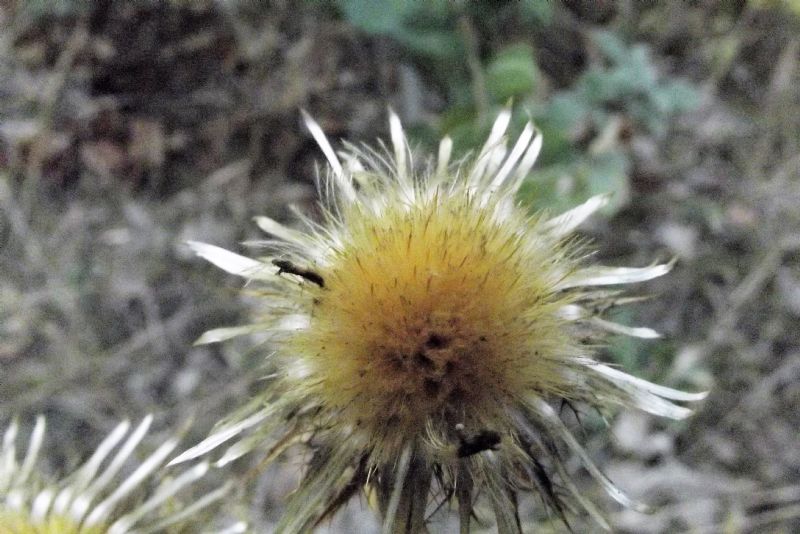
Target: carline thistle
{"x": 424, "y": 330}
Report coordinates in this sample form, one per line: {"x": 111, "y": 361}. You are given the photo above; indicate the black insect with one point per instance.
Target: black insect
{"x": 285, "y": 266}
{"x": 484, "y": 440}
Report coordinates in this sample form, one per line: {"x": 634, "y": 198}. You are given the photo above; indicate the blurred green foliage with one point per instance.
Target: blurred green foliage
{"x": 430, "y": 29}
{"x": 512, "y": 73}
{"x": 52, "y": 8}
{"x": 631, "y": 81}
{"x": 422, "y": 27}
{"x": 582, "y": 124}
{"x": 789, "y": 5}
{"x": 623, "y": 91}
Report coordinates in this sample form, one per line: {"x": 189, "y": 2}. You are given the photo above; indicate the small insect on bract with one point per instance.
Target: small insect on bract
{"x": 484, "y": 440}
{"x": 286, "y": 266}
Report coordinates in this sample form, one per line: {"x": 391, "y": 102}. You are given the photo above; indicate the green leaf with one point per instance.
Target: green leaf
{"x": 552, "y": 188}
{"x": 378, "y": 17}
{"x": 566, "y": 110}
{"x": 434, "y": 44}
{"x": 536, "y": 12}
{"x": 608, "y": 173}
{"x": 612, "y": 46}
{"x": 560, "y": 187}
{"x": 512, "y": 73}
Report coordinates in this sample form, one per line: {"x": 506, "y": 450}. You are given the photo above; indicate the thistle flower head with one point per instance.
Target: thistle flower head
{"x": 422, "y": 332}
{"x": 96, "y": 499}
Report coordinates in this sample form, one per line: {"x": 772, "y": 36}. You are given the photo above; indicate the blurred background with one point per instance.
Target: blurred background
{"x": 127, "y": 128}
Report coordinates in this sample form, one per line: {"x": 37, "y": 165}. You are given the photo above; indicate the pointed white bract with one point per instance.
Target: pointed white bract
{"x": 443, "y": 161}
{"x": 220, "y": 436}
{"x": 510, "y": 163}
{"x": 341, "y": 179}
{"x": 280, "y": 231}
{"x": 231, "y": 262}
{"x": 567, "y": 222}
{"x": 607, "y": 276}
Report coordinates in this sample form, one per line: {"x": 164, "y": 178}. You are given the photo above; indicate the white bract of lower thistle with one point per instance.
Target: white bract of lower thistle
{"x": 422, "y": 332}
{"x": 97, "y": 498}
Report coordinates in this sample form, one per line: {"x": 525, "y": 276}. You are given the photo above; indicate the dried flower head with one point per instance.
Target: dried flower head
{"x": 423, "y": 332}
{"x": 95, "y": 499}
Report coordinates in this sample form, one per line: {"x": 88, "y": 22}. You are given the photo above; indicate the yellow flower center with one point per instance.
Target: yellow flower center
{"x": 435, "y": 312}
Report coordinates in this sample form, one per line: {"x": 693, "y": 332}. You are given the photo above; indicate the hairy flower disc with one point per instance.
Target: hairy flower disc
{"x": 421, "y": 332}
{"x": 433, "y": 312}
